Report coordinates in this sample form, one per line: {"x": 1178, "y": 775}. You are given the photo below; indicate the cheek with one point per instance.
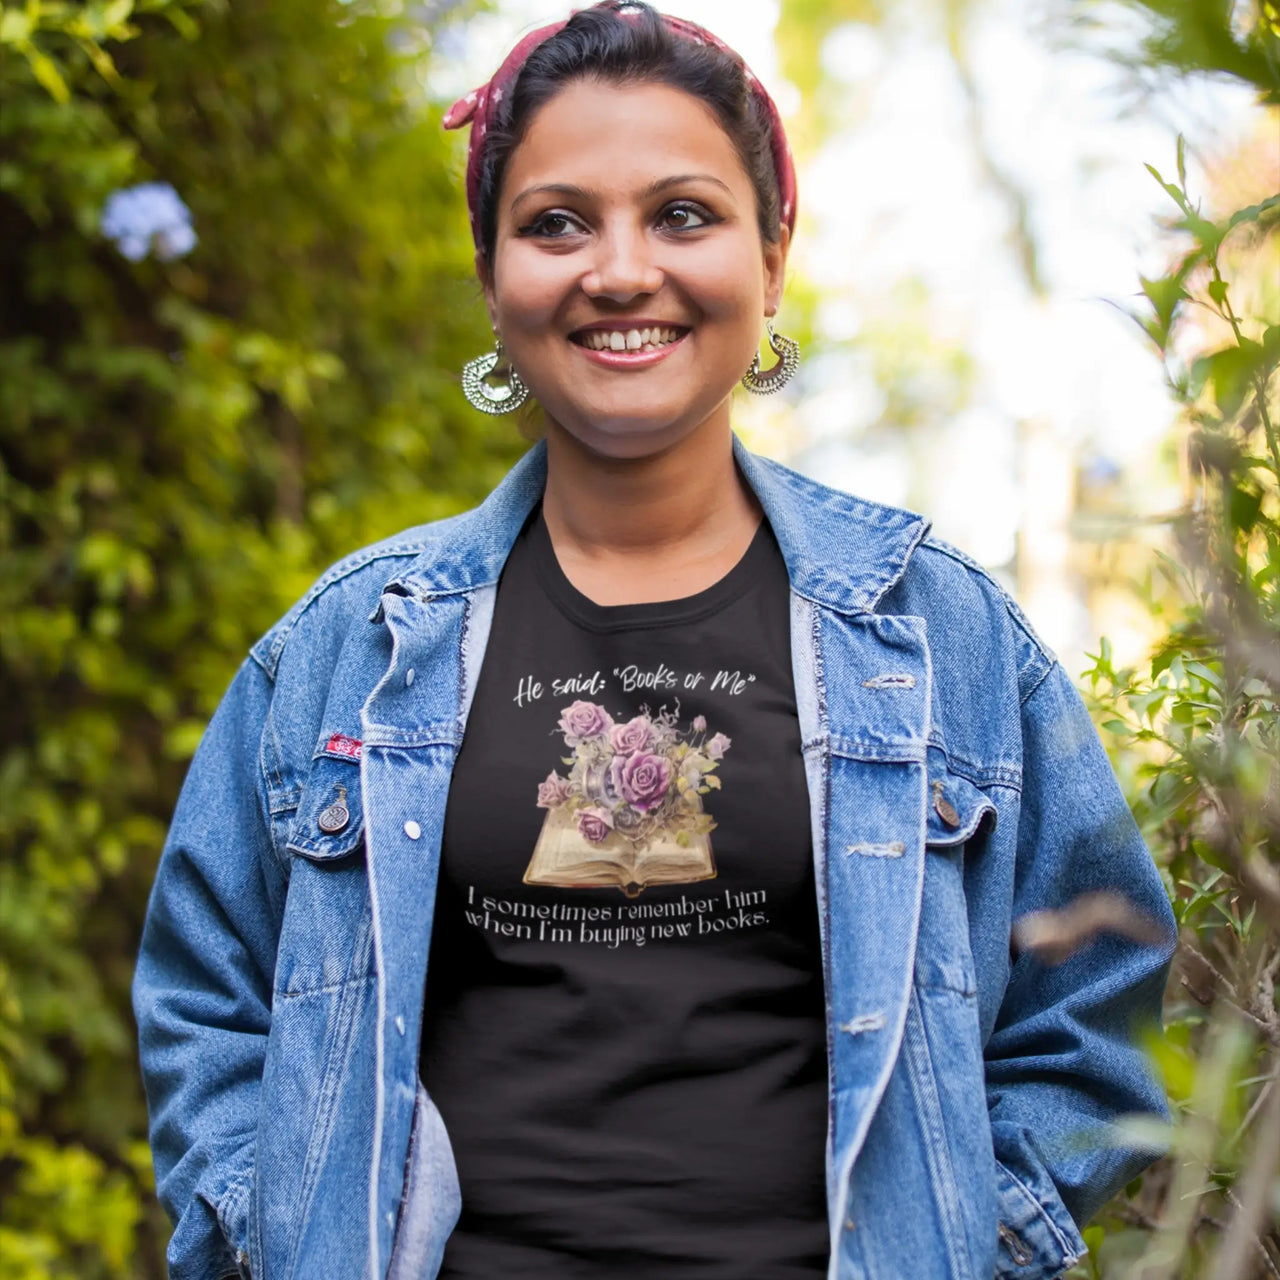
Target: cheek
{"x": 529, "y": 289}
{"x": 729, "y": 286}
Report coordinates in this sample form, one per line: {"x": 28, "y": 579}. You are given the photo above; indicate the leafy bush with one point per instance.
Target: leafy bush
{"x": 1197, "y": 731}
{"x": 191, "y": 425}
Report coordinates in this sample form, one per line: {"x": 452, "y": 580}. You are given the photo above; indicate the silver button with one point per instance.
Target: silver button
{"x": 336, "y": 816}
{"x": 412, "y": 830}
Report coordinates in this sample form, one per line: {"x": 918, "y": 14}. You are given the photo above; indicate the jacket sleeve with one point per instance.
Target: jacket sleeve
{"x": 1064, "y": 1059}
{"x": 202, "y": 988}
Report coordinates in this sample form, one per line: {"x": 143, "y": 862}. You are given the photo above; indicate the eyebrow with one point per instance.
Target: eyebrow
{"x": 654, "y": 188}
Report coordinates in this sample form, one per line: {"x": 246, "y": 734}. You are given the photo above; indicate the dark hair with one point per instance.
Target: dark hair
{"x": 600, "y": 44}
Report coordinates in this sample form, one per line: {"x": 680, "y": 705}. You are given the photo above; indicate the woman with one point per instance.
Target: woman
{"x": 618, "y": 879}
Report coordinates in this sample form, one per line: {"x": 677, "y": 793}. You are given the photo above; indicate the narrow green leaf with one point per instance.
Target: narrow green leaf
{"x": 47, "y": 74}
{"x": 1254, "y": 211}
{"x": 1179, "y": 198}
{"x": 115, "y": 12}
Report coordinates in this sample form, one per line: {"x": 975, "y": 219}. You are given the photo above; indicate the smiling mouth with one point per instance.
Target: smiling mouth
{"x": 646, "y": 338}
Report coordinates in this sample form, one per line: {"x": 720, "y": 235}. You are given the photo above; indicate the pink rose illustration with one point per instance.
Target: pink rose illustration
{"x": 594, "y": 824}
{"x": 641, "y": 779}
{"x": 699, "y": 724}
{"x": 635, "y": 735}
{"x": 554, "y": 791}
{"x": 717, "y": 746}
{"x": 584, "y": 720}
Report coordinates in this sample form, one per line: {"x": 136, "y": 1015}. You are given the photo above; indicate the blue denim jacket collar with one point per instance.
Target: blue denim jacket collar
{"x": 842, "y": 552}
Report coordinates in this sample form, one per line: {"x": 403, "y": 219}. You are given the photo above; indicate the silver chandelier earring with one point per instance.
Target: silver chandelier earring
{"x": 491, "y": 383}
{"x": 788, "y": 352}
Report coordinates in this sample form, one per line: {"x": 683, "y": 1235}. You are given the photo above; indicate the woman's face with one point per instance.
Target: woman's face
{"x": 626, "y": 220}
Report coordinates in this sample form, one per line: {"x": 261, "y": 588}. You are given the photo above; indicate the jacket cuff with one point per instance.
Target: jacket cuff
{"x": 233, "y": 1219}
{"x": 211, "y": 1237}
{"x": 1038, "y": 1237}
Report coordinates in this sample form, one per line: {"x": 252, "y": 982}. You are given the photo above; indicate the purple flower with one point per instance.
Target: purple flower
{"x": 594, "y": 824}
{"x": 584, "y": 720}
{"x": 635, "y": 735}
{"x": 717, "y": 746}
{"x": 699, "y": 724}
{"x": 554, "y": 791}
{"x": 641, "y": 779}
{"x": 148, "y": 216}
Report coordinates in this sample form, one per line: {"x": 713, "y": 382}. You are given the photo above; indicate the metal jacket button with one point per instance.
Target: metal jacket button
{"x": 336, "y": 816}
{"x": 944, "y": 808}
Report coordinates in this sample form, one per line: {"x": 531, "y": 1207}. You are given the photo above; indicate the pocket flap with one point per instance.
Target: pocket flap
{"x": 957, "y": 808}
{"x": 329, "y": 822}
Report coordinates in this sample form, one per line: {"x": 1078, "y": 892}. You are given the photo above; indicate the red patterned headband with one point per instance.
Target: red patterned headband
{"x": 480, "y": 106}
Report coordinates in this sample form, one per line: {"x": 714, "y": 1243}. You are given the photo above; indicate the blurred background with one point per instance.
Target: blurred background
{"x": 236, "y": 295}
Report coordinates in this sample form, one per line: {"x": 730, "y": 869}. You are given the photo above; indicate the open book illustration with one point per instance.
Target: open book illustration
{"x": 629, "y": 814}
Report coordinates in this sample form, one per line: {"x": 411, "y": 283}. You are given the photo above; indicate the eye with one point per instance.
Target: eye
{"x": 554, "y": 224}
{"x": 685, "y": 216}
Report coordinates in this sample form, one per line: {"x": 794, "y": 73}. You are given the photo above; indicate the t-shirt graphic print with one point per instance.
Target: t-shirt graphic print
{"x": 624, "y": 1024}
{"x": 630, "y": 811}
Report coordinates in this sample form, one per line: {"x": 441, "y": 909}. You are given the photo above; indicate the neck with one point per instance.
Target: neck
{"x": 687, "y": 498}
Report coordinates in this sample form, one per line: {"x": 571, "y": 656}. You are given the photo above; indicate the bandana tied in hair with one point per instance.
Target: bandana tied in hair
{"x": 480, "y": 107}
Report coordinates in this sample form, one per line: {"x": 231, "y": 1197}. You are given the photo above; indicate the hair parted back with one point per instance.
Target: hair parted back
{"x": 603, "y": 45}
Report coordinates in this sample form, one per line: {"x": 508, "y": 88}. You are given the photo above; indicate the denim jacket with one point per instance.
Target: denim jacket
{"x": 955, "y": 782}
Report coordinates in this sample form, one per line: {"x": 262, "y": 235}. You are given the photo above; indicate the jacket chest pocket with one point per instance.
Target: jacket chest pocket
{"x": 326, "y": 937}
{"x": 329, "y": 822}
{"x": 957, "y": 813}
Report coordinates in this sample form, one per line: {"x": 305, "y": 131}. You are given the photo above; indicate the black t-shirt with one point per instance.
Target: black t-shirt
{"x": 624, "y": 1025}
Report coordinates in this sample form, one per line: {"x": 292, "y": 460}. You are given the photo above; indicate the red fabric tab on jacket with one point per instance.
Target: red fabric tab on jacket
{"x": 344, "y": 746}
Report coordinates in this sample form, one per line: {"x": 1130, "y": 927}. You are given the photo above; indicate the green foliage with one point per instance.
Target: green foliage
{"x": 184, "y": 443}
{"x": 1237, "y": 39}
{"x": 1197, "y": 731}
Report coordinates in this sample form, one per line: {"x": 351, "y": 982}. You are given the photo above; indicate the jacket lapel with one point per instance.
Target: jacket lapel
{"x": 869, "y": 843}
{"x": 863, "y": 693}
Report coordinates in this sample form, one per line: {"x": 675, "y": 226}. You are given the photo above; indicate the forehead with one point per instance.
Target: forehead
{"x": 606, "y": 137}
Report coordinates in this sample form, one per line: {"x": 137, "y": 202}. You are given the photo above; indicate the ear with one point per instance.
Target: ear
{"x": 775, "y": 270}
{"x": 485, "y": 276}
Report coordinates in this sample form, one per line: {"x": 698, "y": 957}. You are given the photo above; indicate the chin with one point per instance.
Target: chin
{"x": 623, "y": 435}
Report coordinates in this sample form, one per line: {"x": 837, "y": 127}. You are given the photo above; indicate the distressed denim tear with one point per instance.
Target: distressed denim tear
{"x": 874, "y": 849}
{"x": 891, "y": 680}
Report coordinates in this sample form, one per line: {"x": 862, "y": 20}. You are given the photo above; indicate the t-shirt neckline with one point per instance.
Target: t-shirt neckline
{"x": 586, "y": 613}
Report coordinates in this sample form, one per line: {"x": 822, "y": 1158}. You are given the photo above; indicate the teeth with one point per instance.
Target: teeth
{"x": 629, "y": 339}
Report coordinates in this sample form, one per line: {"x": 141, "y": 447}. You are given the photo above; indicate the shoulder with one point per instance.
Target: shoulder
{"x": 855, "y": 555}
{"x": 967, "y": 607}
{"x": 347, "y": 591}
{"x": 986, "y": 660}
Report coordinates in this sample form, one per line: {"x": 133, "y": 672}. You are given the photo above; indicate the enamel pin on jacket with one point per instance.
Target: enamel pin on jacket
{"x": 956, "y": 783}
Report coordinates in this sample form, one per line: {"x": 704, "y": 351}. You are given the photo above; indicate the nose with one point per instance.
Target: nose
{"x": 624, "y": 266}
